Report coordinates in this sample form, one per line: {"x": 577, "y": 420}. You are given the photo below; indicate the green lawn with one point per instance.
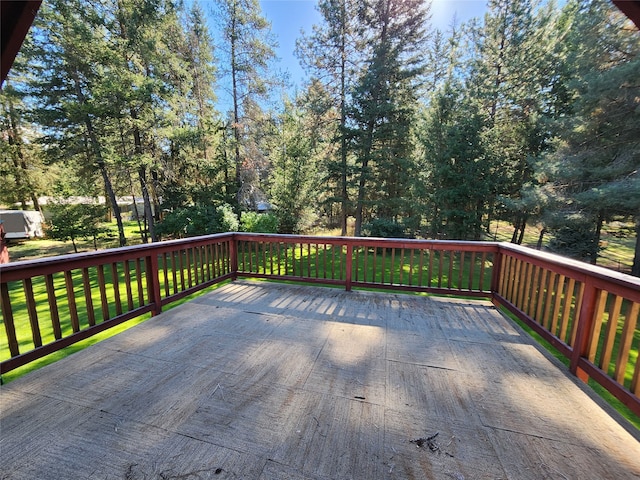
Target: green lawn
{"x": 617, "y": 242}
{"x": 414, "y": 267}
{"x": 43, "y": 247}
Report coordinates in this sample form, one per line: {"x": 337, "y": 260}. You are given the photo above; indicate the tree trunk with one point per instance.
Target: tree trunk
{"x": 540, "y": 237}
{"x": 236, "y": 108}
{"x": 363, "y": 179}
{"x": 142, "y": 177}
{"x": 101, "y": 164}
{"x": 523, "y": 225}
{"x": 343, "y": 126}
{"x": 596, "y": 240}
{"x": 635, "y": 269}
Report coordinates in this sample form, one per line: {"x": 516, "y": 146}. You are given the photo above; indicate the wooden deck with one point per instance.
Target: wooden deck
{"x": 270, "y": 381}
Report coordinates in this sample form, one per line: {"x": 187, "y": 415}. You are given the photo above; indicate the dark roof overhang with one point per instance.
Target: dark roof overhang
{"x": 17, "y": 17}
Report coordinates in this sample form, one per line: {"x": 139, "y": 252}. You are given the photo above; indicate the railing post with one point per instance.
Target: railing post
{"x": 586, "y": 315}
{"x": 349, "y": 266}
{"x": 233, "y": 254}
{"x": 495, "y": 273}
{"x": 153, "y": 284}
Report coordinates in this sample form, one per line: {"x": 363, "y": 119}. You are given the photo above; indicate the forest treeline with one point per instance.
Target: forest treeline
{"x": 530, "y": 115}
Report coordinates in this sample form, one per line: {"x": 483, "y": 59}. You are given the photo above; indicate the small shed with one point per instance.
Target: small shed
{"x": 21, "y": 224}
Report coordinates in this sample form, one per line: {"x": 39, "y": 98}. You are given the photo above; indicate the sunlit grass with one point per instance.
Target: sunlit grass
{"x": 44, "y": 247}
{"x": 391, "y": 266}
{"x": 617, "y": 242}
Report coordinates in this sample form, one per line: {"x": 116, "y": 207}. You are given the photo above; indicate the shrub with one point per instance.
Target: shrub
{"x": 72, "y": 222}
{"x": 258, "y": 222}
{"x": 197, "y": 220}
{"x": 384, "y": 228}
{"x": 575, "y": 239}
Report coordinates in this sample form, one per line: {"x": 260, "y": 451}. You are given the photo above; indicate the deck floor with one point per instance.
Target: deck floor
{"x": 258, "y": 380}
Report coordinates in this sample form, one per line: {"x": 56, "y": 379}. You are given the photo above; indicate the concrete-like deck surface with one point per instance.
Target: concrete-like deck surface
{"x": 272, "y": 381}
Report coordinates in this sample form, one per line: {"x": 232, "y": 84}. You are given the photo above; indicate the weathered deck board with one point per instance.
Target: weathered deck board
{"x": 266, "y": 381}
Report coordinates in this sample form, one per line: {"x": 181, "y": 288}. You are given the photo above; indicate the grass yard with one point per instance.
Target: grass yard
{"x": 43, "y": 247}
{"x": 413, "y": 267}
{"x": 617, "y": 242}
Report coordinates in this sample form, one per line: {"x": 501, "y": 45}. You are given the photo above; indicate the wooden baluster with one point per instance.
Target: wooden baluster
{"x": 71, "y": 299}
{"x": 483, "y": 261}
{"x": 86, "y": 282}
{"x": 349, "y": 264}
{"x": 566, "y": 309}
{"x": 53, "y": 307}
{"x": 542, "y": 294}
{"x": 412, "y": 251}
{"x": 551, "y": 290}
{"x": 127, "y": 284}
{"x": 628, "y": 331}
{"x": 393, "y": 266}
{"x": 103, "y": 293}
{"x": 9, "y": 325}
{"x": 33, "y": 314}
{"x": 472, "y": 267}
{"x": 116, "y": 287}
{"x": 140, "y": 282}
{"x": 557, "y": 304}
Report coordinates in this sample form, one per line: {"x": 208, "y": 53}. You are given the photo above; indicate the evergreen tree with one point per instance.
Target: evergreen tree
{"x": 148, "y": 37}
{"x": 247, "y": 53}
{"x": 511, "y": 73}
{"x": 69, "y": 58}
{"x": 593, "y": 174}
{"x": 458, "y": 174}
{"x": 383, "y": 109}
{"x": 293, "y": 177}
{"x": 332, "y": 55}
{"x": 20, "y": 160}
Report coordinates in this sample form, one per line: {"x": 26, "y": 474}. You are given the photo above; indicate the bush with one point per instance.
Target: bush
{"x": 384, "y": 228}
{"x": 258, "y": 222}
{"x": 198, "y": 220}
{"x": 576, "y": 239}
{"x": 72, "y": 222}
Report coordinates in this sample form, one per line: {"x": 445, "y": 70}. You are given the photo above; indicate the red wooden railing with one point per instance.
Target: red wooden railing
{"x": 588, "y": 313}
{"x": 83, "y": 297}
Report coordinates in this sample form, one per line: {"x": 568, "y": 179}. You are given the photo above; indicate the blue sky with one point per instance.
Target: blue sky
{"x": 288, "y": 17}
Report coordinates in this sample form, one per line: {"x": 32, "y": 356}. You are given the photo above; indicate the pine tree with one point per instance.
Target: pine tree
{"x": 458, "y": 175}
{"x": 593, "y": 176}
{"x": 293, "y": 179}
{"x": 510, "y": 76}
{"x": 69, "y": 57}
{"x": 247, "y": 54}
{"x": 20, "y": 163}
{"x": 332, "y": 55}
{"x": 383, "y": 108}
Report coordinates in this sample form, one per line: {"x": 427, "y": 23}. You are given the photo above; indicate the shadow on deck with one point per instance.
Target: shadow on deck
{"x": 270, "y": 381}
